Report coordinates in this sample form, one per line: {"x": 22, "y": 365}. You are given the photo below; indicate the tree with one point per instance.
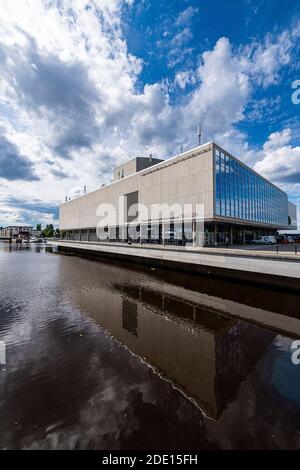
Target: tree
{"x": 48, "y": 231}
{"x": 39, "y": 226}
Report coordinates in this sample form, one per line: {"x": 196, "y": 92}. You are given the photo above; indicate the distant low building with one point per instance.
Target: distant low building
{"x": 36, "y": 233}
{"x": 16, "y": 231}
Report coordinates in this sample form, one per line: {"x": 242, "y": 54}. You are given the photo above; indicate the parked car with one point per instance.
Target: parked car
{"x": 265, "y": 240}
{"x": 282, "y": 239}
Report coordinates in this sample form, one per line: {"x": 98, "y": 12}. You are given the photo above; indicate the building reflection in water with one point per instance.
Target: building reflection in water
{"x": 205, "y": 354}
{"x": 129, "y": 316}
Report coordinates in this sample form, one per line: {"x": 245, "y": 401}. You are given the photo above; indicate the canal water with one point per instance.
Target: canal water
{"x": 103, "y": 355}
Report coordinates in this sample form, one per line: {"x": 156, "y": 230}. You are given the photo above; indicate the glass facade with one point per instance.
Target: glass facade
{"x": 242, "y": 194}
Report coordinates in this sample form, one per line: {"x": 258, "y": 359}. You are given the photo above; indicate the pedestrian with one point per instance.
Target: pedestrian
{"x": 227, "y": 241}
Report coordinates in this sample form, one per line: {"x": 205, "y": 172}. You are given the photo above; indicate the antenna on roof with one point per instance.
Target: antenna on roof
{"x": 199, "y": 134}
{"x": 180, "y": 146}
{"x": 150, "y": 157}
{"x": 84, "y": 189}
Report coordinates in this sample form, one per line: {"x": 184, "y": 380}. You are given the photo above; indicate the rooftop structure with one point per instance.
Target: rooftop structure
{"x": 134, "y": 166}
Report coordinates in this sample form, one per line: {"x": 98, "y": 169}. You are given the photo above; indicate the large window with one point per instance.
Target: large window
{"x": 132, "y": 200}
{"x": 242, "y": 194}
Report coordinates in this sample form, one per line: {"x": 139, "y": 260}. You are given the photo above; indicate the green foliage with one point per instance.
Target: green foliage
{"x": 48, "y": 231}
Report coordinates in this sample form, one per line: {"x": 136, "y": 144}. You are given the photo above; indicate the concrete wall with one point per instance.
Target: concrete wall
{"x": 265, "y": 268}
{"x": 187, "y": 178}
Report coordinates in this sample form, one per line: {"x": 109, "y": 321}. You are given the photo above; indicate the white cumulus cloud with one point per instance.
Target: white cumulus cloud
{"x": 72, "y": 105}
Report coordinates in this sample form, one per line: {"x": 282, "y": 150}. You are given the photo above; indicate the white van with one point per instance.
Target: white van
{"x": 267, "y": 240}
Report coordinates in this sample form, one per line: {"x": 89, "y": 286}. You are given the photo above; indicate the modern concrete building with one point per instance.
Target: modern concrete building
{"x": 238, "y": 203}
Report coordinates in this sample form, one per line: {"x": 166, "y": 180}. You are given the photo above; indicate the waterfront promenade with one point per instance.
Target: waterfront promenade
{"x": 278, "y": 269}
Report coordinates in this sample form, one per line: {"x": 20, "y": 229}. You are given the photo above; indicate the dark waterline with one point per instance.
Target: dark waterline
{"x": 110, "y": 356}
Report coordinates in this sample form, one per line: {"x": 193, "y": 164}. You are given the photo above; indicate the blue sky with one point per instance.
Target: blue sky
{"x": 87, "y": 84}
